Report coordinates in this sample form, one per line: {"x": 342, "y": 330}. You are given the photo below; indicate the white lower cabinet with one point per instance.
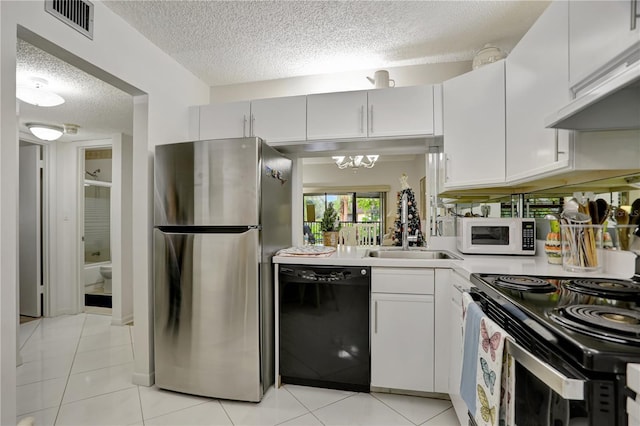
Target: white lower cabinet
{"x": 402, "y": 328}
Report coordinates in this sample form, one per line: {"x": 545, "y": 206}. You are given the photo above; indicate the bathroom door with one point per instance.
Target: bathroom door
{"x": 30, "y": 229}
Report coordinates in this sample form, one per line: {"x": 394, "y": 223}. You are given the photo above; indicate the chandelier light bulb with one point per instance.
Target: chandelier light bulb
{"x": 355, "y": 161}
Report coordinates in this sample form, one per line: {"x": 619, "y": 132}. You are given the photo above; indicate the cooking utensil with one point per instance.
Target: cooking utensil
{"x": 634, "y": 216}
{"x": 593, "y": 212}
{"x": 622, "y": 218}
{"x": 603, "y": 210}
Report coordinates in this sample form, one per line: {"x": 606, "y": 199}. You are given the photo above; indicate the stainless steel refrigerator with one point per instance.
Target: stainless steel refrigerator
{"x": 222, "y": 209}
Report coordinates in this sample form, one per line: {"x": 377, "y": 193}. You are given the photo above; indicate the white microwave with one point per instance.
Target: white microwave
{"x": 486, "y": 235}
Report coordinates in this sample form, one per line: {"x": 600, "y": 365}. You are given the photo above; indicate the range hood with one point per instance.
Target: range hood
{"x": 613, "y": 104}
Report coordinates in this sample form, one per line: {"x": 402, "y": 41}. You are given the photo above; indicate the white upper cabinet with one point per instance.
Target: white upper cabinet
{"x": 401, "y": 111}
{"x": 279, "y": 119}
{"x": 337, "y": 115}
{"x": 225, "y": 120}
{"x": 537, "y": 74}
{"x": 601, "y": 36}
{"x": 474, "y": 127}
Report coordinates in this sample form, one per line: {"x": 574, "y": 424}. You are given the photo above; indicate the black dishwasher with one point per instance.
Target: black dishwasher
{"x": 324, "y": 326}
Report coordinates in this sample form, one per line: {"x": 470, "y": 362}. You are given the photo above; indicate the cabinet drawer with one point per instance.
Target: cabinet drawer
{"x": 402, "y": 280}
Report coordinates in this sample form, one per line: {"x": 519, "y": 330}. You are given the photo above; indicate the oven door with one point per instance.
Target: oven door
{"x": 545, "y": 396}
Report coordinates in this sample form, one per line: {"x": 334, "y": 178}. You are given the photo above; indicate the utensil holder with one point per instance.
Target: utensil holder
{"x": 582, "y": 248}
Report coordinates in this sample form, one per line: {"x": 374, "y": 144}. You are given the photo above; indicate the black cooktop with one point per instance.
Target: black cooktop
{"x": 594, "y": 321}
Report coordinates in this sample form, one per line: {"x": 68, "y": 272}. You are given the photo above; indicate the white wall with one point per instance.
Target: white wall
{"x": 121, "y": 55}
{"x": 121, "y": 230}
{"x": 383, "y": 173}
{"x": 356, "y": 80}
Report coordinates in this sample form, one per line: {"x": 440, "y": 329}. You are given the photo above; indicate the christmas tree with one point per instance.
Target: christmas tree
{"x": 413, "y": 217}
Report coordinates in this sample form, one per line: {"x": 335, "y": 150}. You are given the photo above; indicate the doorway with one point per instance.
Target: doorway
{"x": 96, "y": 225}
{"x": 31, "y": 240}
{"x": 103, "y": 117}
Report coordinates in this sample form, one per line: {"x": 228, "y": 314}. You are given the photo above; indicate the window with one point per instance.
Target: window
{"x": 352, "y": 207}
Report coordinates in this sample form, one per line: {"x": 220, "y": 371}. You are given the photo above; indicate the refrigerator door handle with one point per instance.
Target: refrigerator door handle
{"x": 205, "y": 229}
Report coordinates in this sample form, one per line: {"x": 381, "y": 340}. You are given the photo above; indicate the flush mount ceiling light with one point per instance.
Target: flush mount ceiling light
{"x": 355, "y": 161}
{"x": 46, "y": 132}
{"x": 35, "y": 93}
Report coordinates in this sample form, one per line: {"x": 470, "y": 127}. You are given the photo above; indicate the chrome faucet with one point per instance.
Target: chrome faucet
{"x": 404, "y": 220}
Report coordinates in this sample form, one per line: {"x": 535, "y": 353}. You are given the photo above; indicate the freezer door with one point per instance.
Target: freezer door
{"x": 206, "y": 314}
{"x": 212, "y": 182}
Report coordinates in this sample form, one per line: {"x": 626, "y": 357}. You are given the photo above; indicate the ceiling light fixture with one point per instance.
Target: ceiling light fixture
{"x": 46, "y": 132}
{"x": 356, "y": 161}
{"x": 35, "y": 93}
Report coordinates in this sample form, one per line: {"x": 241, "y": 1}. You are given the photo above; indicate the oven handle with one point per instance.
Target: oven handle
{"x": 564, "y": 386}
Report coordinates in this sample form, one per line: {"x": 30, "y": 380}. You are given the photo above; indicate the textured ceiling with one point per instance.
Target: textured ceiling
{"x": 226, "y": 42}
{"x": 97, "y": 107}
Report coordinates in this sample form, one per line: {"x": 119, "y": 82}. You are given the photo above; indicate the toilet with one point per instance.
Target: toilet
{"x": 105, "y": 271}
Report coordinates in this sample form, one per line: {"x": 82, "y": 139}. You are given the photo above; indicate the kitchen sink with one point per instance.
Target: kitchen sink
{"x": 412, "y": 253}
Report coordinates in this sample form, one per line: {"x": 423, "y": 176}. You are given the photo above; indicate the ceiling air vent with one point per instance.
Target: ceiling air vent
{"x": 77, "y": 14}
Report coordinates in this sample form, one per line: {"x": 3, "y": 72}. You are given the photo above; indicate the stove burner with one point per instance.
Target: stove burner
{"x": 606, "y": 288}
{"x": 623, "y": 319}
{"x": 524, "y": 283}
{"x": 607, "y": 322}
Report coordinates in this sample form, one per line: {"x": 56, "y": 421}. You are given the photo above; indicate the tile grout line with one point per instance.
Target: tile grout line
{"x": 70, "y": 368}
{"x": 393, "y": 409}
{"x": 225, "y": 411}
{"x": 184, "y": 408}
{"x": 31, "y": 334}
{"x": 439, "y": 414}
{"x": 307, "y": 408}
{"x": 140, "y": 402}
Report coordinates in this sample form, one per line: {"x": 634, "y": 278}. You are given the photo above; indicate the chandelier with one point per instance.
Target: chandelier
{"x": 355, "y": 161}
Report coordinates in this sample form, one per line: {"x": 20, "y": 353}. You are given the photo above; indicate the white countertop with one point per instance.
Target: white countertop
{"x": 617, "y": 264}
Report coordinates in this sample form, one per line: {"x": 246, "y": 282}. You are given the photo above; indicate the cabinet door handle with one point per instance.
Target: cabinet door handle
{"x": 634, "y": 14}
{"x": 244, "y": 126}
{"x": 375, "y": 317}
{"x": 361, "y": 118}
{"x": 557, "y": 143}
{"x": 446, "y": 168}
{"x": 371, "y": 118}
{"x": 459, "y": 288}
{"x": 252, "y": 129}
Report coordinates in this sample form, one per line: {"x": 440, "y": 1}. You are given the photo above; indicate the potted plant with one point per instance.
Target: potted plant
{"x": 330, "y": 226}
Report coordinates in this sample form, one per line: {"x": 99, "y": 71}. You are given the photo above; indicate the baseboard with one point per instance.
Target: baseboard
{"x": 143, "y": 379}
{"x": 122, "y": 321}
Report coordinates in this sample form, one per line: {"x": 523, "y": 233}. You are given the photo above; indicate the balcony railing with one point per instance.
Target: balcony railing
{"x": 316, "y": 232}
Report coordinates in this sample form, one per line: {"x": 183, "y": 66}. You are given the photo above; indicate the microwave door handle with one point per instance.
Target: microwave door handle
{"x": 564, "y": 386}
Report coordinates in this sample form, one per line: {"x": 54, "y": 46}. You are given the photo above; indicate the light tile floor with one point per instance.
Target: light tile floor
{"x": 77, "y": 371}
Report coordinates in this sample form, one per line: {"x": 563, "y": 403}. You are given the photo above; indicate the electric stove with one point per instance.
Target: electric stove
{"x": 587, "y": 329}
